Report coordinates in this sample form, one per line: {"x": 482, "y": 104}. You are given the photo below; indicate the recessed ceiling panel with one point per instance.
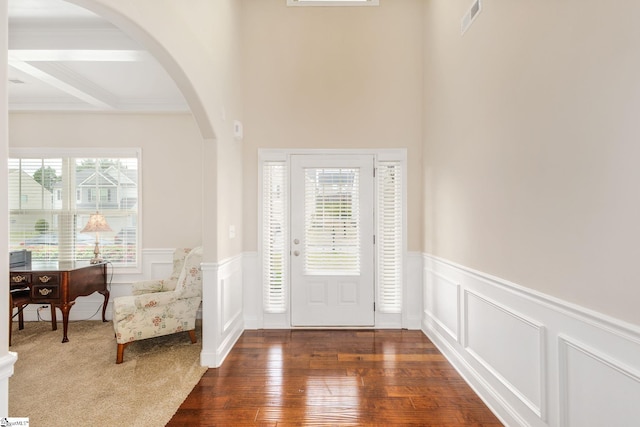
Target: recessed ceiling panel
{"x": 63, "y": 57}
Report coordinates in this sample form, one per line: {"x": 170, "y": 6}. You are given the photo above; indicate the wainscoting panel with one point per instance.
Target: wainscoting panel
{"x": 252, "y": 290}
{"x": 595, "y": 385}
{"x": 490, "y": 332}
{"x": 231, "y": 283}
{"x": 222, "y": 309}
{"x": 535, "y": 360}
{"x": 442, "y": 302}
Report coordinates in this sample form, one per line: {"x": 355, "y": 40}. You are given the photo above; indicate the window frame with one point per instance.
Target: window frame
{"x": 95, "y": 152}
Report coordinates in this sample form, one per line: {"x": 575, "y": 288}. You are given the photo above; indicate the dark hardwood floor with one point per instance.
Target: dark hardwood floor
{"x": 355, "y": 377}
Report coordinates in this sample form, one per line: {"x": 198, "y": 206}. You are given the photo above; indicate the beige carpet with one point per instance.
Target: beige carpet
{"x": 78, "y": 383}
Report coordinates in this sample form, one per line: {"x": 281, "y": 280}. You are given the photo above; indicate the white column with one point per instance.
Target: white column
{"x": 7, "y": 359}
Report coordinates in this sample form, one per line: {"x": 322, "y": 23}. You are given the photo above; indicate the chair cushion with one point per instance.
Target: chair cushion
{"x": 179, "y": 256}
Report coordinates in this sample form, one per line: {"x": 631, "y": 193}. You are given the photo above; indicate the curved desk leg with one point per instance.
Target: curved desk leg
{"x": 65, "y": 308}
{"x": 105, "y": 293}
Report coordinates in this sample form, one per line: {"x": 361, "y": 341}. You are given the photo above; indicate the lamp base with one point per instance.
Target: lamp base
{"x": 96, "y": 254}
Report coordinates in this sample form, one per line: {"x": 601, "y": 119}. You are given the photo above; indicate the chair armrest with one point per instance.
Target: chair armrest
{"x": 123, "y": 306}
{"x": 151, "y": 286}
{"x": 154, "y": 299}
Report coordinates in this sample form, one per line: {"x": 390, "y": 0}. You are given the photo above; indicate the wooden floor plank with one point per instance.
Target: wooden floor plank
{"x": 352, "y": 377}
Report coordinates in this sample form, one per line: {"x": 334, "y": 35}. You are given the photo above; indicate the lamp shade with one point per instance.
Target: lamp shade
{"x": 96, "y": 223}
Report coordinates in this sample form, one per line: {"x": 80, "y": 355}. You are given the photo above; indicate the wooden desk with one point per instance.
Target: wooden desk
{"x": 60, "y": 284}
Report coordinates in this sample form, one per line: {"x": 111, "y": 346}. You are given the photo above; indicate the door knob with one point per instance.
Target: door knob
{"x": 296, "y": 241}
{"x": 296, "y": 253}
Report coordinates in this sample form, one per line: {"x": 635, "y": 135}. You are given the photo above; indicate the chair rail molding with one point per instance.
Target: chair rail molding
{"x": 534, "y": 359}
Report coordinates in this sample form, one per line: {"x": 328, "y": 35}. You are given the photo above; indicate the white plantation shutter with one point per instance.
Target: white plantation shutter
{"x": 389, "y": 237}
{"x": 274, "y": 244}
{"x": 332, "y": 226}
{"x": 32, "y": 206}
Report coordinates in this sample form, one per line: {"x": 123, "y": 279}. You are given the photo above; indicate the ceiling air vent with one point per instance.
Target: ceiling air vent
{"x": 16, "y": 81}
{"x": 471, "y": 15}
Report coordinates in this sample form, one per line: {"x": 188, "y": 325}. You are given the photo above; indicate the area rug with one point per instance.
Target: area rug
{"x": 78, "y": 383}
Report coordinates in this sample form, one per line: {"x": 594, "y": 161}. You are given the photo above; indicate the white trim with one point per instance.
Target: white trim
{"x": 456, "y": 335}
{"x": 564, "y": 363}
{"x": 606, "y": 323}
{"x": 412, "y": 288}
{"x": 222, "y": 309}
{"x": 565, "y": 344}
{"x": 6, "y": 365}
{"x": 539, "y": 410}
{"x": 482, "y": 387}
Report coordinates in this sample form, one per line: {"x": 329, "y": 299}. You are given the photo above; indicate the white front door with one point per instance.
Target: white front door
{"x": 331, "y": 240}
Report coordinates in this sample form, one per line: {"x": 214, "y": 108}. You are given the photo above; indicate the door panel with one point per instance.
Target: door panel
{"x": 332, "y": 256}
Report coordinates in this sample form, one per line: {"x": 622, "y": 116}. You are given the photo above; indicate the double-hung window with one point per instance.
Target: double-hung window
{"x": 53, "y": 192}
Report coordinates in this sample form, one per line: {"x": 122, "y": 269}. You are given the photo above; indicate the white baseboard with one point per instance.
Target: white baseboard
{"x": 535, "y": 360}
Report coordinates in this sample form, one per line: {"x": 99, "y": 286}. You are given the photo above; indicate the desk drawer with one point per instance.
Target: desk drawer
{"x": 45, "y": 286}
{"x": 19, "y": 279}
{"x": 45, "y": 279}
{"x": 45, "y": 292}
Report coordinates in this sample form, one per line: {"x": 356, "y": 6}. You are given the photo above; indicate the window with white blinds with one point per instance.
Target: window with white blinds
{"x": 332, "y": 221}
{"x": 51, "y": 198}
{"x": 274, "y": 235}
{"x": 389, "y": 237}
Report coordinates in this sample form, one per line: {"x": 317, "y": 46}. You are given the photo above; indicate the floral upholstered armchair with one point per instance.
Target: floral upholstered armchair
{"x": 161, "y": 307}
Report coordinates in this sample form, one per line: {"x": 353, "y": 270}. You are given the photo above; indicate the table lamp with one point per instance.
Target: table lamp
{"x": 97, "y": 223}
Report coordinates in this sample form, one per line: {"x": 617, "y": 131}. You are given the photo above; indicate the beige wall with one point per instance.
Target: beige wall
{"x": 198, "y": 42}
{"x": 531, "y": 146}
{"x": 171, "y": 154}
{"x": 332, "y": 77}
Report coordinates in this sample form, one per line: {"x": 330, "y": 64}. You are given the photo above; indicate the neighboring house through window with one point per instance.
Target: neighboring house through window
{"x": 53, "y": 192}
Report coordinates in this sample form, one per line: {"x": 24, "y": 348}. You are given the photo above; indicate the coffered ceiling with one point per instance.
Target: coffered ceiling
{"x": 66, "y": 58}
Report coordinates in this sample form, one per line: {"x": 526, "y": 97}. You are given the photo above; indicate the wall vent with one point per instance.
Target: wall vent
{"x": 470, "y": 16}
{"x": 16, "y": 81}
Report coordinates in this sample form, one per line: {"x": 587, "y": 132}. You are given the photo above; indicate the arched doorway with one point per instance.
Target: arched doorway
{"x": 162, "y": 56}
